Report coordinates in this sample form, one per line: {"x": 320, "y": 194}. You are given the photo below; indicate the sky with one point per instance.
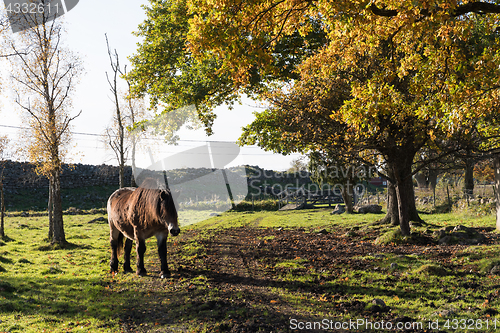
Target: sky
{"x": 86, "y": 26}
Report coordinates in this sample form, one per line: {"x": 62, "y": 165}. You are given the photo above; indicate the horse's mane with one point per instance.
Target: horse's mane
{"x": 147, "y": 200}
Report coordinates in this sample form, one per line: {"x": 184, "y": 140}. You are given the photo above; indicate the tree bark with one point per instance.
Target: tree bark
{"x": 134, "y": 143}
{"x": 50, "y": 210}
{"x": 469, "y": 177}
{"x": 497, "y": 187}
{"x": 2, "y": 208}
{"x": 347, "y": 192}
{"x": 392, "y": 215}
{"x": 403, "y": 204}
{"x": 412, "y": 205}
{"x": 59, "y": 235}
{"x": 400, "y": 167}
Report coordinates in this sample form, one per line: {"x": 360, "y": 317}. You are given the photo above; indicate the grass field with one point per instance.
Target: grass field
{"x": 251, "y": 272}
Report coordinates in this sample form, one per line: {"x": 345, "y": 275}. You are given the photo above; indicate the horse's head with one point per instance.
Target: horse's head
{"x": 169, "y": 212}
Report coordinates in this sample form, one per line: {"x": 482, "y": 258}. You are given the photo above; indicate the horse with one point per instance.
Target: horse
{"x": 137, "y": 214}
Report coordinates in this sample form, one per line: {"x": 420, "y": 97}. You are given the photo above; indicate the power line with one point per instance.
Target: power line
{"x": 158, "y": 139}
{"x": 145, "y": 138}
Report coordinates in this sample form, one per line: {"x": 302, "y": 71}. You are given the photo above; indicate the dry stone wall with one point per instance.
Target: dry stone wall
{"x": 19, "y": 175}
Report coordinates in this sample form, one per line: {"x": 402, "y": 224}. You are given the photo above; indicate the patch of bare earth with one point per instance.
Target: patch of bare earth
{"x": 232, "y": 282}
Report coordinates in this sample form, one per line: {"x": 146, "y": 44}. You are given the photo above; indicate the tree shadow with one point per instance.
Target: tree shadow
{"x": 63, "y": 246}
{"x": 6, "y": 239}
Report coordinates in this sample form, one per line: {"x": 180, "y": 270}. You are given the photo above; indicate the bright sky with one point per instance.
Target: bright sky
{"x": 86, "y": 25}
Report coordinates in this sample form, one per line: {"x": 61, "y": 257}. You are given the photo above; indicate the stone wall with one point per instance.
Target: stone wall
{"x": 18, "y": 175}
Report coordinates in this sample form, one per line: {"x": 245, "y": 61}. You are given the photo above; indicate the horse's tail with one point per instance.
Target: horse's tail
{"x": 119, "y": 244}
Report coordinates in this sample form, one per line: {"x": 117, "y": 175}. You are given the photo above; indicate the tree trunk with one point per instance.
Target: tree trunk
{"x": 58, "y": 236}
{"x": 412, "y": 205}
{"x": 392, "y": 215}
{"x": 421, "y": 180}
{"x": 132, "y": 178}
{"x": 50, "y": 210}
{"x": 432, "y": 179}
{"x": 403, "y": 204}
{"x": 347, "y": 192}
{"x": 469, "y": 177}
{"x": 2, "y": 208}
{"x": 401, "y": 172}
{"x": 497, "y": 187}
{"x": 122, "y": 174}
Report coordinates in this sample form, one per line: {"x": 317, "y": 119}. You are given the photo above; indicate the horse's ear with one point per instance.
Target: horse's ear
{"x": 163, "y": 195}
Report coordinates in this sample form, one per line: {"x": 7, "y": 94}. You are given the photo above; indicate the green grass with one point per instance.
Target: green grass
{"x": 56, "y": 290}
{"x": 42, "y": 289}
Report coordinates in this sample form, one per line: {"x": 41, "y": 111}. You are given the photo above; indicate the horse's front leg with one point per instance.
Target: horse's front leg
{"x": 162, "y": 252}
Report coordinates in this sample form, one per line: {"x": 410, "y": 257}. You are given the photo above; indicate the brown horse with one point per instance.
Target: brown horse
{"x": 137, "y": 214}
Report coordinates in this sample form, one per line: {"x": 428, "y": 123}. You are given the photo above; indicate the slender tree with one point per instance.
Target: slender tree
{"x": 3, "y": 146}
{"x": 44, "y": 75}
{"x": 136, "y": 110}
{"x": 116, "y": 140}
{"x": 122, "y": 136}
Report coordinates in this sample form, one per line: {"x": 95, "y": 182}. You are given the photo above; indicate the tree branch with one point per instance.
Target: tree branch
{"x": 471, "y": 7}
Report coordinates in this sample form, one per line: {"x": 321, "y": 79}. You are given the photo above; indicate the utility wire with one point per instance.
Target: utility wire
{"x": 157, "y": 139}
{"x": 145, "y": 138}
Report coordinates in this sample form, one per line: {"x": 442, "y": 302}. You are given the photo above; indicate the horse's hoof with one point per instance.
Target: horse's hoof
{"x": 141, "y": 272}
{"x": 164, "y": 275}
{"x": 127, "y": 270}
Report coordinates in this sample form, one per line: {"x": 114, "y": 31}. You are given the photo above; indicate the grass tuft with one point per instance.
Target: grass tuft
{"x": 432, "y": 269}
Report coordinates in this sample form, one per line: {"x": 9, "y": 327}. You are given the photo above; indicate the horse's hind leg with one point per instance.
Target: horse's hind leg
{"x": 141, "y": 249}
{"x": 126, "y": 256}
{"x": 162, "y": 252}
{"x": 115, "y": 239}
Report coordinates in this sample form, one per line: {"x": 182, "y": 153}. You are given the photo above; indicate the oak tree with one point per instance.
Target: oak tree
{"x": 415, "y": 72}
